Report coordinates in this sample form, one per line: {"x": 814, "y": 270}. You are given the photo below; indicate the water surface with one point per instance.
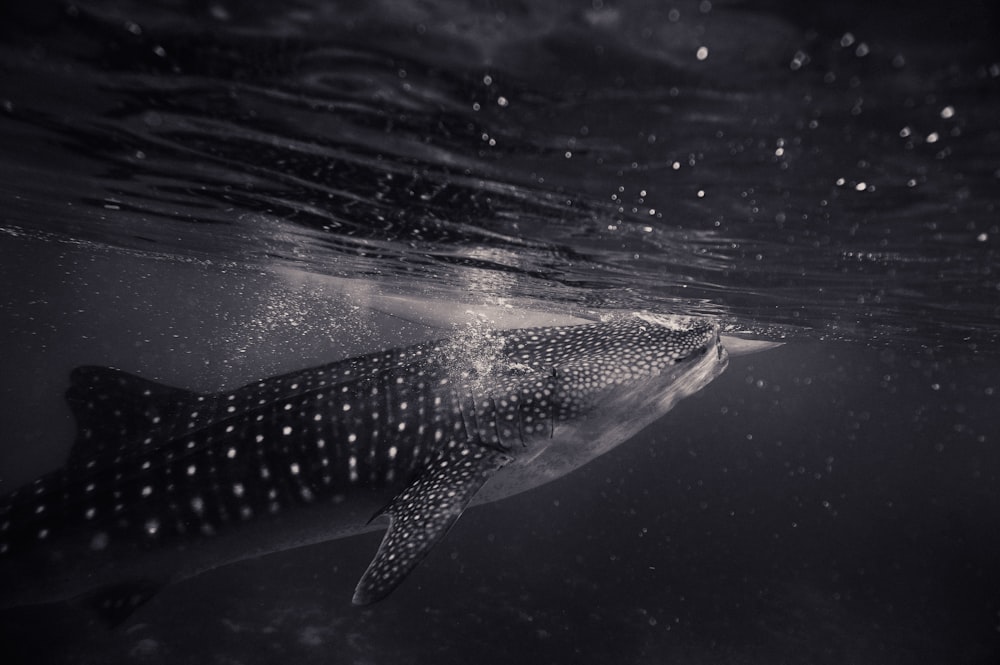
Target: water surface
{"x": 207, "y": 193}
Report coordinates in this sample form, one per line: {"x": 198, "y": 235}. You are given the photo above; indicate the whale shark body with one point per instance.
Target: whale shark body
{"x": 162, "y": 484}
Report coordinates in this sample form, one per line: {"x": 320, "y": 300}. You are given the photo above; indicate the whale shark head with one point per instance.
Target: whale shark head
{"x": 609, "y": 380}
{"x": 621, "y": 349}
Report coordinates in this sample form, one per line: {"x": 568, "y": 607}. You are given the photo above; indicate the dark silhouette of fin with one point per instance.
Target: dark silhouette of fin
{"x": 115, "y": 604}
{"x": 115, "y": 410}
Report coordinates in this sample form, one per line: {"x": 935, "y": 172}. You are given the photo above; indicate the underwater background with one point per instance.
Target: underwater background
{"x": 205, "y": 193}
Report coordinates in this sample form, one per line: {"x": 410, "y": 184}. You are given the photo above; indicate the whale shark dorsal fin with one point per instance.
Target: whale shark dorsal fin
{"x": 113, "y": 409}
{"x": 421, "y": 515}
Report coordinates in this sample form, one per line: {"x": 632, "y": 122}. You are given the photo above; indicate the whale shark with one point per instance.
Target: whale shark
{"x": 162, "y": 484}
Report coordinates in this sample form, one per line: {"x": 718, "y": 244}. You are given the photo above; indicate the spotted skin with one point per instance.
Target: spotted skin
{"x": 162, "y": 483}
{"x": 422, "y": 514}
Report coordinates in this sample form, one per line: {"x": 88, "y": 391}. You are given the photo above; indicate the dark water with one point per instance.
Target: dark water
{"x": 205, "y": 193}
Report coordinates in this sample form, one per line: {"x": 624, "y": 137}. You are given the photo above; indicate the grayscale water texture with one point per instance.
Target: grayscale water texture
{"x": 210, "y": 195}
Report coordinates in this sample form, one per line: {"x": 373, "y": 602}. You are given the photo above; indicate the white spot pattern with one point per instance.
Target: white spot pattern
{"x": 396, "y": 411}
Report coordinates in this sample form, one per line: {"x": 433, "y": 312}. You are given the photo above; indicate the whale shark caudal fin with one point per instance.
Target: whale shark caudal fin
{"x": 422, "y": 514}
{"x": 115, "y": 409}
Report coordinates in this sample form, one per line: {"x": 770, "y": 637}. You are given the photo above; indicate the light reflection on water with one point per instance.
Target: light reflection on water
{"x": 191, "y": 189}
{"x": 836, "y": 182}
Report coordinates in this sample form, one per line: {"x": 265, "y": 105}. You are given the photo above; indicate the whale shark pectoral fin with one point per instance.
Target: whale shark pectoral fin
{"x": 422, "y": 514}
